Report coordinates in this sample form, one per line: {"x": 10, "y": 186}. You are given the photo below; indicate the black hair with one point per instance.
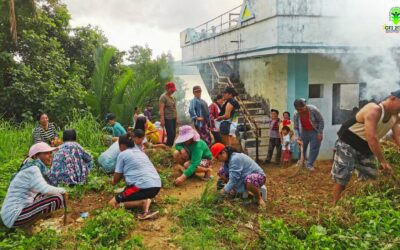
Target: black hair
{"x": 126, "y": 140}
{"x": 275, "y": 110}
{"x": 110, "y": 116}
{"x": 230, "y": 90}
{"x": 286, "y": 128}
{"x": 139, "y": 133}
{"x": 287, "y": 112}
{"x": 230, "y": 150}
{"x": 299, "y": 103}
{"x": 217, "y": 97}
{"x": 38, "y": 116}
{"x": 69, "y": 135}
{"x": 140, "y": 122}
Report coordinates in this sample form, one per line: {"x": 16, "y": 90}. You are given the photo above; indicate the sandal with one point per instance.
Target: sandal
{"x": 147, "y": 215}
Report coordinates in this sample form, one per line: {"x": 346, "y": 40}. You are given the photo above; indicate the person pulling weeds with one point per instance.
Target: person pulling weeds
{"x": 358, "y": 146}
{"x": 241, "y": 172}
{"x": 142, "y": 180}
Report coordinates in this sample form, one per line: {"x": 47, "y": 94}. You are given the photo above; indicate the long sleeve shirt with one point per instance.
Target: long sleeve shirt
{"x": 22, "y": 191}
{"x": 197, "y": 151}
{"x": 317, "y": 121}
{"x": 240, "y": 166}
{"x": 198, "y": 108}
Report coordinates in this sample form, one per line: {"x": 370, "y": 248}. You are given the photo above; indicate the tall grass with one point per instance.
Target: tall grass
{"x": 15, "y": 140}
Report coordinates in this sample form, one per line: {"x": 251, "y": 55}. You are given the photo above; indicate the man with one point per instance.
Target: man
{"x": 274, "y": 137}
{"x": 147, "y": 112}
{"x": 114, "y": 127}
{"x": 228, "y": 112}
{"x": 358, "y": 143}
{"x": 198, "y": 111}
{"x": 168, "y": 115}
{"x": 308, "y": 128}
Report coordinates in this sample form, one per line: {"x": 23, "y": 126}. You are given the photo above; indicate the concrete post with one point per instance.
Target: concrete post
{"x": 297, "y": 79}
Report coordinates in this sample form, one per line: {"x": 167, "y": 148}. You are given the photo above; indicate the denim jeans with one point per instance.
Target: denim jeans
{"x": 310, "y": 137}
{"x": 170, "y": 127}
{"x": 274, "y": 143}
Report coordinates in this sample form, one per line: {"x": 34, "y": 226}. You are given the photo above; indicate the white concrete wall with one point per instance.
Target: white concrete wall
{"x": 266, "y": 77}
{"x": 327, "y": 71}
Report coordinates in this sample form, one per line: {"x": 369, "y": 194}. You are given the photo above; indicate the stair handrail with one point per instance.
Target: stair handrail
{"x": 245, "y": 112}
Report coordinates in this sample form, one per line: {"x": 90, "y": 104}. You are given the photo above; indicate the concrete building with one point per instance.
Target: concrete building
{"x": 282, "y": 50}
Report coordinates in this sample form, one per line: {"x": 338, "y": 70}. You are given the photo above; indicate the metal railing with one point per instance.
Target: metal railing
{"x": 217, "y": 25}
{"x": 246, "y": 114}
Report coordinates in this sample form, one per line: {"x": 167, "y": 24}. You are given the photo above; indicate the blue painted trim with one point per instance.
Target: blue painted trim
{"x": 297, "y": 85}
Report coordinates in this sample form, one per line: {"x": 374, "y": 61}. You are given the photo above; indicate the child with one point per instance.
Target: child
{"x": 286, "y": 147}
{"x": 142, "y": 180}
{"x": 114, "y": 126}
{"x": 138, "y": 136}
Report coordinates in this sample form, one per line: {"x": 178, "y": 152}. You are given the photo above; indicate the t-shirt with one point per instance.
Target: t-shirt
{"x": 42, "y": 135}
{"x": 108, "y": 158}
{"x": 118, "y": 130}
{"x": 197, "y": 151}
{"x": 137, "y": 169}
{"x": 286, "y": 141}
{"x": 170, "y": 106}
{"x": 274, "y": 128}
{"x": 306, "y": 122}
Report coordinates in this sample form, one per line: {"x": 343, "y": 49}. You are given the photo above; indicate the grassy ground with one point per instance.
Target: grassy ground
{"x": 298, "y": 215}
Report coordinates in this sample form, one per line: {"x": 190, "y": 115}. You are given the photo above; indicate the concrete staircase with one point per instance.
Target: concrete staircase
{"x": 252, "y": 114}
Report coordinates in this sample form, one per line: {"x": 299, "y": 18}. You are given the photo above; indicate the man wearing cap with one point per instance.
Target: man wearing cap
{"x": 29, "y": 195}
{"x": 193, "y": 153}
{"x": 114, "y": 126}
{"x": 358, "y": 145}
{"x": 228, "y": 112}
{"x": 309, "y": 129}
{"x": 199, "y": 113}
{"x": 168, "y": 115}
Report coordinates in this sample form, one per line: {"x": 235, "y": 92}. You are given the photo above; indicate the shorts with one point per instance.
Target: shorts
{"x": 133, "y": 193}
{"x": 346, "y": 159}
{"x": 225, "y": 127}
{"x": 257, "y": 180}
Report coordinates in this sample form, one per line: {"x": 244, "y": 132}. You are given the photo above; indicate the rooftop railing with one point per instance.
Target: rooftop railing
{"x": 220, "y": 24}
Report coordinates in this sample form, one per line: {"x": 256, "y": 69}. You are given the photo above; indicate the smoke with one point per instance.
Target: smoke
{"x": 374, "y": 54}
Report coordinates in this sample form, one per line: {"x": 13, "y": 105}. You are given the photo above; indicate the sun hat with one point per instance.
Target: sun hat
{"x": 40, "y": 147}
{"x": 216, "y": 149}
{"x": 186, "y": 133}
{"x": 170, "y": 86}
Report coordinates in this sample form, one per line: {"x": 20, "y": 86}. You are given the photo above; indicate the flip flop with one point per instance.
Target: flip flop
{"x": 147, "y": 215}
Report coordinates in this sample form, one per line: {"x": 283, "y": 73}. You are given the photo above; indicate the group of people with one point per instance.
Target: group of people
{"x": 34, "y": 191}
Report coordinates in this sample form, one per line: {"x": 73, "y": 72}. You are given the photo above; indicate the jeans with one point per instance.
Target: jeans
{"x": 170, "y": 127}
{"x": 274, "y": 143}
{"x": 310, "y": 137}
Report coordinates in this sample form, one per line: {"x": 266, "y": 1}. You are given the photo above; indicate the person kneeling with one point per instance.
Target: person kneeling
{"x": 244, "y": 174}
{"x": 193, "y": 153}
{"x": 29, "y": 196}
{"x": 142, "y": 180}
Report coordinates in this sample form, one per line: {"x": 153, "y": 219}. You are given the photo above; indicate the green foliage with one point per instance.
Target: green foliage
{"x": 107, "y": 227}
{"x": 18, "y": 239}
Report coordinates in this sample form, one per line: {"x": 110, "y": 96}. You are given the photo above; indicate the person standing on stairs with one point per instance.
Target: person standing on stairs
{"x": 274, "y": 137}
{"x": 198, "y": 111}
{"x": 228, "y": 112}
{"x": 168, "y": 115}
{"x": 308, "y": 129}
{"x": 215, "y": 109}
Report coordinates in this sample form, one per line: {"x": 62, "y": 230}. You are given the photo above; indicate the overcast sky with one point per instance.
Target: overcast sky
{"x": 153, "y": 22}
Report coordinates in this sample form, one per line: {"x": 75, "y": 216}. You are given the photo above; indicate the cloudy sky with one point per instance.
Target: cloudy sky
{"x": 153, "y": 22}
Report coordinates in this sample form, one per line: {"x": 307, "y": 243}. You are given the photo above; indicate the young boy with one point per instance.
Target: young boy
{"x": 274, "y": 137}
{"x": 286, "y": 147}
{"x": 114, "y": 126}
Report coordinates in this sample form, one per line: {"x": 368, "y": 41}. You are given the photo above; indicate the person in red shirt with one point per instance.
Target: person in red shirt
{"x": 308, "y": 128}
{"x": 215, "y": 109}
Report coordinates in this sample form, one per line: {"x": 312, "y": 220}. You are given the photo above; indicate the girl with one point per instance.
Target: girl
{"x": 243, "y": 173}
{"x": 29, "y": 196}
{"x": 148, "y": 127}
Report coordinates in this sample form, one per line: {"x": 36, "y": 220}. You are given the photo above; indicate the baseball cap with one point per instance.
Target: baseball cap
{"x": 395, "y": 93}
{"x": 170, "y": 86}
{"x": 216, "y": 149}
{"x": 110, "y": 116}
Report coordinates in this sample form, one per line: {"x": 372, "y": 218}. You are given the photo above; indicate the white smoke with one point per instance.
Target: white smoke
{"x": 374, "y": 54}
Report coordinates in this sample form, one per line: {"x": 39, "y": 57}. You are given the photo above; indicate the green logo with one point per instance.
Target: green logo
{"x": 394, "y": 15}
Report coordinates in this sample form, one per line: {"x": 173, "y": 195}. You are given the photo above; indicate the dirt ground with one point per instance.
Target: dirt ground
{"x": 299, "y": 200}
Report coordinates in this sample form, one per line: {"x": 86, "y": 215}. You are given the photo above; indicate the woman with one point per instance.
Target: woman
{"x": 29, "y": 196}
{"x": 227, "y": 114}
{"x": 193, "y": 153}
{"x": 142, "y": 180}
{"x": 71, "y": 163}
{"x": 240, "y": 172}
{"x": 215, "y": 109}
{"x": 45, "y": 131}
{"x": 149, "y": 128}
